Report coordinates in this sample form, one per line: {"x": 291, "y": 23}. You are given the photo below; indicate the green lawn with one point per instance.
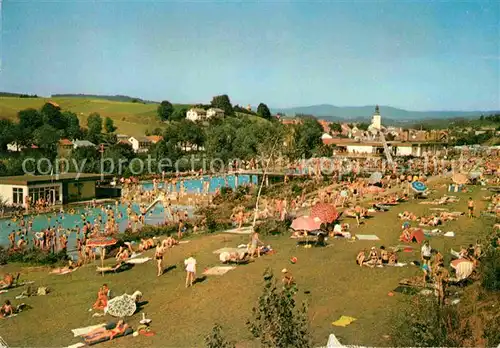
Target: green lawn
{"x": 130, "y": 118}
{"x": 182, "y": 317}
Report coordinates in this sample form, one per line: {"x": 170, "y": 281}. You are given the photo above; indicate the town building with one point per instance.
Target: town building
{"x": 82, "y": 143}
{"x": 154, "y": 138}
{"x": 140, "y": 144}
{"x": 196, "y": 114}
{"x": 215, "y": 112}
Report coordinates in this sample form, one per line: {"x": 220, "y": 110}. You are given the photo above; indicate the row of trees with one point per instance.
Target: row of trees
{"x": 167, "y": 112}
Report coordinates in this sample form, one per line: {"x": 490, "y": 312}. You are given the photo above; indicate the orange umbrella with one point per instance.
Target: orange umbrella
{"x": 460, "y": 179}
{"x": 327, "y": 213}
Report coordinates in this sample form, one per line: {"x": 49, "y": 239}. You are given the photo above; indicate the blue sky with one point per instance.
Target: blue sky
{"x": 416, "y": 55}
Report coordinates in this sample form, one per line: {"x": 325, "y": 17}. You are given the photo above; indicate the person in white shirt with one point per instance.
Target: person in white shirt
{"x": 190, "y": 264}
{"x": 426, "y": 254}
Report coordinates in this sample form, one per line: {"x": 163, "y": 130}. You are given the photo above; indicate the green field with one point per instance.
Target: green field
{"x": 130, "y": 118}
{"x": 182, "y": 317}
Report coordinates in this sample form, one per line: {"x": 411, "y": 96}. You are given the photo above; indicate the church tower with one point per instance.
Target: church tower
{"x": 377, "y": 119}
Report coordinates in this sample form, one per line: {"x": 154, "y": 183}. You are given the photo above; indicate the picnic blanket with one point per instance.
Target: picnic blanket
{"x": 138, "y": 260}
{"x": 343, "y": 321}
{"x": 85, "y": 330}
{"x": 333, "y": 342}
{"x": 367, "y": 237}
{"x": 218, "y": 270}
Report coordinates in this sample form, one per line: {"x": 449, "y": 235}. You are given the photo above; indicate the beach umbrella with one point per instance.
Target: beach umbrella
{"x": 101, "y": 242}
{"x": 306, "y": 223}
{"x": 418, "y": 186}
{"x": 325, "y": 212}
{"x": 375, "y": 177}
{"x": 121, "y": 306}
{"x": 460, "y": 179}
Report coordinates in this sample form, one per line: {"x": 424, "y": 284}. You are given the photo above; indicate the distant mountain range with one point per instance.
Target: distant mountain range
{"x": 358, "y": 113}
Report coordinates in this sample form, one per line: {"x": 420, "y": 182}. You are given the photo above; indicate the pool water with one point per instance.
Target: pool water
{"x": 156, "y": 215}
{"x": 216, "y": 182}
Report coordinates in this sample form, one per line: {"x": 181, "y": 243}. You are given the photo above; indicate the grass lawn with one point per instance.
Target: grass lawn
{"x": 130, "y": 118}
{"x": 182, "y": 317}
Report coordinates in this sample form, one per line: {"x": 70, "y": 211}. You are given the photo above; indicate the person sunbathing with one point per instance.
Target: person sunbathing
{"x": 405, "y": 236}
{"x": 361, "y": 259}
{"x": 100, "y": 334}
{"x": 6, "y": 309}
{"x": 102, "y": 299}
{"x": 122, "y": 254}
{"x": 393, "y": 258}
{"x": 169, "y": 242}
{"x": 7, "y": 281}
{"x": 384, "y": 255}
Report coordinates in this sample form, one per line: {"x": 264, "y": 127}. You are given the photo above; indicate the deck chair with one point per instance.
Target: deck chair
{"x": 3, "y": 344}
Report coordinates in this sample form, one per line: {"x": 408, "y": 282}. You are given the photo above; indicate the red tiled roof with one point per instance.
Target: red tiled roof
{"x": 155, "y": 138}
{"x": 65, "y": 142}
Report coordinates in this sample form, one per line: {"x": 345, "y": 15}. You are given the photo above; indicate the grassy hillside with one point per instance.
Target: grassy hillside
{"x": 130, "y": 118}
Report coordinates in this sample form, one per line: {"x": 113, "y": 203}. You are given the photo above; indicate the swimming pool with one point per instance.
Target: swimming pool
{"x": 155, "y": 216}
{"x": 196, "y": 185}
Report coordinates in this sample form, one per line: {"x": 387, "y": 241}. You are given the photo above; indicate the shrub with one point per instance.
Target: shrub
{"x": 273, "y": 227}
{"x": 216, "y": 339}
{"x": 32, "y": 257}
{"x": 490, "y": 269}
{"x": 276, "y": 322}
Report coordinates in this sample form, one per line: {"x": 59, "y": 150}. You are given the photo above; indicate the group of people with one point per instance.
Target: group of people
{"x": 375, "y": 258}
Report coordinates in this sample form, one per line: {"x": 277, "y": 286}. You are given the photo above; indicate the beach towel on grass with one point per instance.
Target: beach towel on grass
{"x": 218, "y": 270}
{"x": 367, "y": 237}
{"x": 85, "y": 330}
{"x": 183, "y": 242}
{"x": 343, "y": 321}
{"x": 138, "y": 260}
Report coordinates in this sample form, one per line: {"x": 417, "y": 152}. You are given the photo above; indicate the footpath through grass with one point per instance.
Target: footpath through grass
{"x": 182, "y": 317}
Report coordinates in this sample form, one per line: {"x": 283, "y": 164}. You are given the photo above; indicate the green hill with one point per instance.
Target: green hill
{"x": 130, "y": 118}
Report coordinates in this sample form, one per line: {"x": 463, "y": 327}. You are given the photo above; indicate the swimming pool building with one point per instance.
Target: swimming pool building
{"x": 61, "y": 189}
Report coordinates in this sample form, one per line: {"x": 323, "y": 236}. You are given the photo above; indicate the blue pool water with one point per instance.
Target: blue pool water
{"x": 155, "y": 216}
{"x": 196, "y": 185}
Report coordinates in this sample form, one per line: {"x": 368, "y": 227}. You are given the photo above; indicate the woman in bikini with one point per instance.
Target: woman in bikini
{"x": 159, "y": 259}
{"x": 102, "y": 299}
{"x": 103, "y": 333}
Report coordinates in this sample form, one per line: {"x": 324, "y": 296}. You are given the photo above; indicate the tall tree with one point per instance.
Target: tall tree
{"x": 73, "y": 130}
{"x": 29, "y": 120}
{"x": 46, "y": 138}
{"x": 335, "y": 127}
{"x": 263, "y": 111}
{"x": 52, "y": 116}
{"x": 6, "y": 133}
{"x": 223, "y": 102}
{"x": 109, "y": 125}
{"x": 165, "y": 110}
{"x": 94, "y": 125}
{"x": 178, "y": 114}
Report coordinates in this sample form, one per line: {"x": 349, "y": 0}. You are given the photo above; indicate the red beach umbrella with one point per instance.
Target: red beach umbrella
{"x": 327, "y": 213}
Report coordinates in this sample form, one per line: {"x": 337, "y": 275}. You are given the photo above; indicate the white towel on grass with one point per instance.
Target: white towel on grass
{"x": 85, "y": 330}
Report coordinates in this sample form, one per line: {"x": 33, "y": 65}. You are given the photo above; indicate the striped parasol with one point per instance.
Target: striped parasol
{"x": 327, "y": 213}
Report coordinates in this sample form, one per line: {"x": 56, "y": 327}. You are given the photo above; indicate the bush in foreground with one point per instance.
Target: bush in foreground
{"x": 276, "y": 322}
{"x": 216, "y": 339}
{"x": 32, "y": 257}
